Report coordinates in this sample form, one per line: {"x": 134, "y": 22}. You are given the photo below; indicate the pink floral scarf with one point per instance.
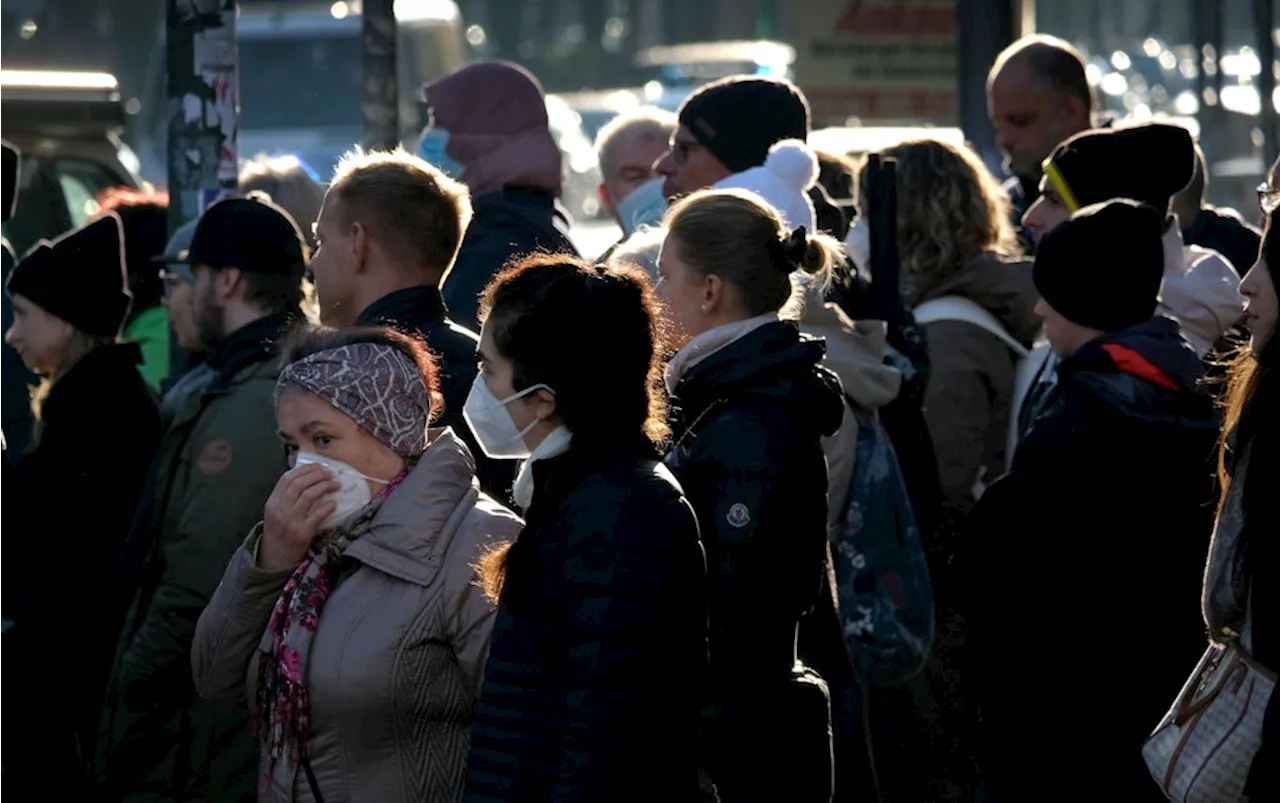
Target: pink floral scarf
{"x": 283, "y": 707}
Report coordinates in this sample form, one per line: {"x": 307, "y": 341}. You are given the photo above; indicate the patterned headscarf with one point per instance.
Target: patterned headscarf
{"x": 376, "y": 385}
{"x": 382, "y": 390}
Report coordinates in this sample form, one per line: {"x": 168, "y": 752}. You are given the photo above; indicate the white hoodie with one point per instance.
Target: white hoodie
{"x": 1201, "y": 291}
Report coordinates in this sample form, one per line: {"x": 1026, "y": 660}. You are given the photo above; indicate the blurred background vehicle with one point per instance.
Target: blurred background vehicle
{"x": 882, "y": 63}
{"x": 67, "y": 126}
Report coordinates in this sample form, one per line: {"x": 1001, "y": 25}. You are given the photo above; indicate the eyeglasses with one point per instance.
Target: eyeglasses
{"x": 1268, "y": 197}
{"x": 680, "y": 150}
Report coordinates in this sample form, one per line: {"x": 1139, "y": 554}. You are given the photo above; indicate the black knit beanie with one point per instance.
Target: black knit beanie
{"x": 78, "y": 277}
{"x": 1150, "y": 163}
{"x": 739, "y": 118}
{"x": 1103, "y": 267}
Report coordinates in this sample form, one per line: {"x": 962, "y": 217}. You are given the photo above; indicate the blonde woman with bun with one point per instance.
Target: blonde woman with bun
{"x": 753, "y": 406}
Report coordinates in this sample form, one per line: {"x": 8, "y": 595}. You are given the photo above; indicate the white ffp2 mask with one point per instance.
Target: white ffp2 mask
{"x": 491, "y": 422}
{"x": 351, "y": 498}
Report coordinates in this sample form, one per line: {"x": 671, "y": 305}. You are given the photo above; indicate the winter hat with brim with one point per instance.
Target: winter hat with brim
{"x": 739, "y": 118}
{"x": 1107, "y": 288}
{"x": 790, "y": 169}
{"x": 79, "y": 277}
{"x": 1150, "y": 163}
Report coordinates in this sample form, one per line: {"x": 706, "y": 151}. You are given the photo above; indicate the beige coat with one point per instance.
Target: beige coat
{"x": 1201, "y": 291}
{"x": 855, "y": 353}
{"x": 399, "y": 651}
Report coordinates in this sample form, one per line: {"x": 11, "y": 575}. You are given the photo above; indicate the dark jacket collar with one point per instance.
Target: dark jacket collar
{"x": 774, "y": 361}
{"x": 1147, "y": 372}
{"x": 252, "y": 343}
{"x": 556, "y": 477}
{"x": 412, "y": 306}
{"x": 100, "y": 369}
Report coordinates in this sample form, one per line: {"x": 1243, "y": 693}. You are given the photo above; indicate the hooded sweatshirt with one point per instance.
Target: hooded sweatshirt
{"x": 496, "y": 116}
{"x": 1201, "y": 291}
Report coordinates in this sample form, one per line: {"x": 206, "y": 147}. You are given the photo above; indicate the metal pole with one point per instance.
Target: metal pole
{"x": 380, "y": 101}
{"x": 1265, "y": 22}
{"x": 204, "y": 104}
{"x": 983, "y": 29}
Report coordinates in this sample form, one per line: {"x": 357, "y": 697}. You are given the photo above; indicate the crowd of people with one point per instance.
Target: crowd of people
{"x": 812, "y": 488}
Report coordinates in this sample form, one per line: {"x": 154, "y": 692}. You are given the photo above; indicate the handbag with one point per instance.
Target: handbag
{"x": 807, "y": 748}
{"x": 1202, "y": 749}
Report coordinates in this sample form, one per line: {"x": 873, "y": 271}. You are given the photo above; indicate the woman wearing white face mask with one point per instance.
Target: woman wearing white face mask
{"x": 594, "y": 683}
{"x": 354, "y": 605}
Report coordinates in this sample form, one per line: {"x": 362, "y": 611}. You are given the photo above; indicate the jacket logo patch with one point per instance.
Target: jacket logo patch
{"x": 738, "y": 516}
{"x": 214, "y": 458}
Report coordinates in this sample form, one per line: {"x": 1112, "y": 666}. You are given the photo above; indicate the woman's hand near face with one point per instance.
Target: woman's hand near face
{"x": 294, "y": 512}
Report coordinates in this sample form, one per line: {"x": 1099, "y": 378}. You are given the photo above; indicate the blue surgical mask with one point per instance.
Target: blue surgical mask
{"x": 645, "y": 206}
{"x": 431, "y": 148}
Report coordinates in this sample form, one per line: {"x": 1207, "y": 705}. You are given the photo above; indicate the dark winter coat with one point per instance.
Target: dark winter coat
{"x": 1092, "y": 553}
{"x": 217, "y": 464}
{"x": 16, "y": 380}
{"x": 75, "y": 493}
{"x": 420, "y": 312}
{"x": 748, "y": 453}
{"x": 596, "y": 667}
{"x": 508, "y": 223}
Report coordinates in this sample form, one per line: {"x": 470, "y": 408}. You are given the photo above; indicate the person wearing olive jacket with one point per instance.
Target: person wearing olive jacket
{"x": 216, "y": 466}
{"x": 595, "y": 675}
{"x": 753, "y": 405}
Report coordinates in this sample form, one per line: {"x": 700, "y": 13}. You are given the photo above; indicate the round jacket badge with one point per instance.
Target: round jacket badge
{"x": 738, "y": 515}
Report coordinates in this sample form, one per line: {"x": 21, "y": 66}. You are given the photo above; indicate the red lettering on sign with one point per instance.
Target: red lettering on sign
{"x": 897, "y": 18}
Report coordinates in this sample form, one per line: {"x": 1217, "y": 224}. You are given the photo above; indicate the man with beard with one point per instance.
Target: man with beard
{"x": 218, "y": 462}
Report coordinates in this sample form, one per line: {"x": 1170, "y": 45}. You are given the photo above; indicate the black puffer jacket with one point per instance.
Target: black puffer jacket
{"x": 420, "y": 312}
{"x": 79, "y": 486}
{"x": 1092, "y": 553}
{"x": 749, "y": 456}
{"x": 597, "y": 665}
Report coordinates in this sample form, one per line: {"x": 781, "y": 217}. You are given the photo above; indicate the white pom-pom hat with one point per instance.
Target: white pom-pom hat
{"x": 789, "y": 171}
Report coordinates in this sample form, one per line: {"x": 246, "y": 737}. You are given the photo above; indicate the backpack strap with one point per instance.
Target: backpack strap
{"x": 959, "y": 308}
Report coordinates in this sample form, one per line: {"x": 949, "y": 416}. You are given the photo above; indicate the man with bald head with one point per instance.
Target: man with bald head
{"x": 1037, "y": 96}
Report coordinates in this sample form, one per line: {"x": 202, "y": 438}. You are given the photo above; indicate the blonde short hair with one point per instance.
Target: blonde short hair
{"x": 415, "y": 212}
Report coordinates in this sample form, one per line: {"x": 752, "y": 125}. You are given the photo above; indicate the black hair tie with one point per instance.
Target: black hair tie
{"x": 795, "y": 247}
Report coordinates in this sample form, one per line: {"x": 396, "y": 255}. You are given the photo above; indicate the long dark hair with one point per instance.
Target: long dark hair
{"x": 1253, "y": 380}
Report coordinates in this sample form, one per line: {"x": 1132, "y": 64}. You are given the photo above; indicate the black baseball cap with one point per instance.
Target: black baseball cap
{"x": 251, "y": 234}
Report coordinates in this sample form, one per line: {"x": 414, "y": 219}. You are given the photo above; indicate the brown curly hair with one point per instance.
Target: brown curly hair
{"x": 950, "y": 208}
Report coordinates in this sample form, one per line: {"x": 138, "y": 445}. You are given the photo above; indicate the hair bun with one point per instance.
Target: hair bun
{"x": 794, "y": 163}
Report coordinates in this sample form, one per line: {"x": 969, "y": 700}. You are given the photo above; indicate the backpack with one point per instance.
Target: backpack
{"x": 882, "y": 576}
{"x": 1030, "y": 362}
